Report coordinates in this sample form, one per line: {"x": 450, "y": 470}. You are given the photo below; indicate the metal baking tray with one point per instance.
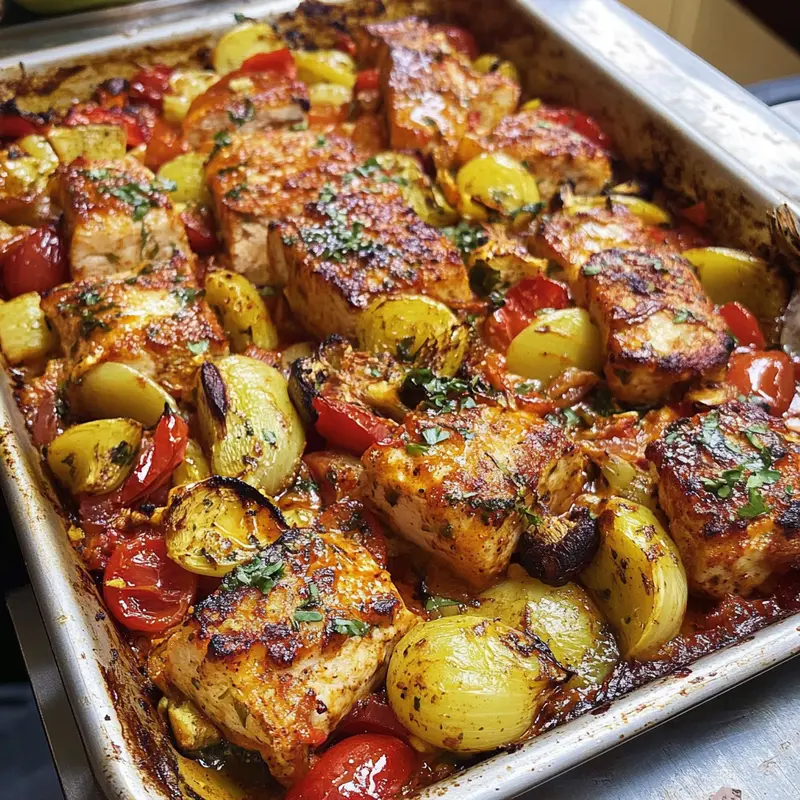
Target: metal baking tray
{"x": 668, "y": 112}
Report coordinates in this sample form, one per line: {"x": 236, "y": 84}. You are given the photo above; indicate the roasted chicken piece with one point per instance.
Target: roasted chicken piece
{"x": 147, "y": 320}
{"x": 262, "y": 177}
{"x": 244, "y": 102}
{"x": 357, "y": 244}
{"x": 117, "y": 217}
{"x": 554, "y": 153}
{"x": 728, "y": 483}
{"x": 463, "y": 485}
{"x": 277, "y": 668}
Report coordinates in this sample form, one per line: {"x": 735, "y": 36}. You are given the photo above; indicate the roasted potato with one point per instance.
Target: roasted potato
{"x": 93, "y": 142}
{"x": 242, "y": 310}
{"x": 468, "y": 684}
{"x": 191, "y": 728}
{"x": 240, "y": 43}
{"x": 637, "y": 578}
{"x": 187, "y": 172}
{"x": 185, "y": 86}
{"x": 218, "y": 523}
{"x": 25, "y": 334}
{"x": 95, "y": 457}
{"x": 194, "y": 466}
{"x": 325, "y": 66}
{"x": 248, "y": 424}
{"x": 329, "y": 94}
{"x": 555, "y": 340}
{"x": 496, "y": 183}
{"x": 40, "y": 149}
{"x": 414, "y": 327}
{"x": 489, "y": 62}
{"x": 112, "y": 389}
{"x": 563, "y": 617}
{"x": 647, "y": 212}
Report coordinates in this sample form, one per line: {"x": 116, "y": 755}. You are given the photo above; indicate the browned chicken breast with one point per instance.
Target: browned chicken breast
{"x": 262, "y": 177}
{"x": 245, "y": 101}
{"x": 728, "y": 481}
{"x": 145, "y": 320}
{"x": 277, "y": 668}
{"x": 117, "y": 217}
{"x": 463, "y": 485}
{"x": 554, "y": 153}
{"x": 354, "y": 246}
{"x": 658, "y": 326}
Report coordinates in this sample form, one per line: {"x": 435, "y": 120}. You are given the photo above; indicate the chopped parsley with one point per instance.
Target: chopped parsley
{"x": 122, "y": 454}
{"x": 589, "y": 270}
{"x": 302, "y": 615}
{"x": 269, "y": 437}
{"x": 435, "y": 603}
{"x": 350, "y": 627}
{"x": 466, "y": 237}
{"x": 221, "y": 139}
{"x": 754, "y": 507}
{"x": 243, "y": 112}
{"x": 236, "y": 192}
{"x": 186, "y": 295}
{"x": 403, "y": 349}
{"x": 565, "y": 417}
{"x": 198, "y": 348}
{"x": 488, "y": 283}
{"x": 423, "y": 386}
{"x": 685, "y": 315}
{"x": 258, "y": 574}
{"x": 431, "y": 436}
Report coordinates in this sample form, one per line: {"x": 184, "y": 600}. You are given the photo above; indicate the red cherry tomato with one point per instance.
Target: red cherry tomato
{"x": 743, "y": 325}
{"x": 136, "y": 130}
{"x": 14, "y": 126}
{"x": 199, "y": 225}
{"x": 278, "y": 61}
{"x": 578, "y": 121}
{"x": 35, "y": 263}
{"x": 347, "y": 426}
{"x": 166, "y": 143}
{"x": 150, "y": 85}
{"x": 144, "y": 589}
{"x": 366, "y": 767}
{"x": 367, "y": 79}
{"x": 522, "y": 302}
{"x": 372, "y": 715}
{"x": 460, "y": 40}
{"x": 157, "y": 459}
{"x": 765, "y": 375}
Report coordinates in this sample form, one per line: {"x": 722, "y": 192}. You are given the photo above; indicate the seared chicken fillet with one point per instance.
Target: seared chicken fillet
{"x": 117, "y": 218}
{"x": 466, "y": 497}
{"x": 728, "y": 481}
{"x": 277, "y": 670}
{"x": 146, "y": 320}
{"x": 245, "y": 102}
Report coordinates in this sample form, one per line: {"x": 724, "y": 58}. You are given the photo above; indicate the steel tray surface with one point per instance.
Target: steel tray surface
{"x": 668, "y": 112}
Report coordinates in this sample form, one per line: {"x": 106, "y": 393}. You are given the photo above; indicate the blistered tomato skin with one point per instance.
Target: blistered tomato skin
{"x": 764, "y": 376}
{"x": 35, "y": 264}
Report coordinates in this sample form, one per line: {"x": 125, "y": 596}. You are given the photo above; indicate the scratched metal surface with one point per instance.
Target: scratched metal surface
{"x": 602, "y": 57}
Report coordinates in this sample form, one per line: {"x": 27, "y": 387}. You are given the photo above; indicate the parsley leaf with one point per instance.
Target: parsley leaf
{"x": 436, "y": 602}
{"x": 431, "y": 436}
{"x": 198, "y": 348}
{"x": 590, "y": 270}
{"x": 307, "y": 616}
{"x": 350, "y": 627}
{"x": 258, "y": 573}
{"x": 466, "y": 237}
{"x": 755, "y": 506}
{"x": 242, "y": 112}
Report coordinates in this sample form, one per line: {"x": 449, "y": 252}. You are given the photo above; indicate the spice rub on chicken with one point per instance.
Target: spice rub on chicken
{"x": 147, "y": 320}
{"x": 463, "y": 485}
{"x": 117, "y": 217}
{"x": 356, "y": 244}
{"x": 261, "y": 177}
{"x": 288, "y": 645}
{"x": 728, "y": 481}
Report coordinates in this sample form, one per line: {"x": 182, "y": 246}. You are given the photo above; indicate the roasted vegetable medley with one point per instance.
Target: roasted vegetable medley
{"x": 389, "y": 411}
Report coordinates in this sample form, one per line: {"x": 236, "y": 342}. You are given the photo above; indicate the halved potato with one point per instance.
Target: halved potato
{"x": 731, "y": 275}
{"x": 38, "y": 147}
{"x": 329, "y": 94}
{"x": 414, "y": 328}
{"x": 187, "y": 172}
{"x": 647, "y": 212}
{"x": 495, "y": 182}
{"x": 325, "y": 66}
{"x": 555, "y": 340}
{"x": 194, "y": 466}
{"x": 94, "y": 142}
{"x": 95, "y": 457}
{"x": 244, "y": 315}
{"x": 112, "y": 389}
{"x": 637, "y": 578}
{"x": 216, "y": 524}
{"x": 248, "y": 424}
{"x": 241, "y": 42}
{"x": 563, "y": 617}
{"x": 25, "y": 334}
{"x": 186, "y": 85}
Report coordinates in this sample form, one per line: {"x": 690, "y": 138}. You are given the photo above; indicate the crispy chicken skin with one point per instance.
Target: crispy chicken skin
{"x": 658, "y": 326}
{"x": 554, "y": 153}
{"x": 462, "y": 499}
{"x": 277, "y": 682}
{"x": 262, "y": 177}
{"x": 731, "y": 538}
{"x": 244, "y": 102}
{"x": 145, "y": 320}
{"x": 347, "y": 249}
{"x": 116, "y": 217}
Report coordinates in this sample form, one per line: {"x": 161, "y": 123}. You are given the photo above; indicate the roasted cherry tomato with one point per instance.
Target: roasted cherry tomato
{"x": 460, "y": 40}
{"x": 35, "y": 263}
{"x": 522, "y": 302}
{"x": 15, "y": 126}
{"x": 743, "y": 325}
{"x": 199, "y": 225}
{"x": 166, "y": 143}
{"x": 372, "y": 715}
{"x": 367, "y": 79}
{"x": 578, "y": 121}
{"x": 366, "y": 767}
{"x": 144, "y": 589}
{"x": 136, "y": 129}
{"x": 347, "y": 426}
{"x": 280, "y": 62}
{"x": 157, "y": 459}
{"x": 150, "y": 85}
{"x": 768, "y": 376}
